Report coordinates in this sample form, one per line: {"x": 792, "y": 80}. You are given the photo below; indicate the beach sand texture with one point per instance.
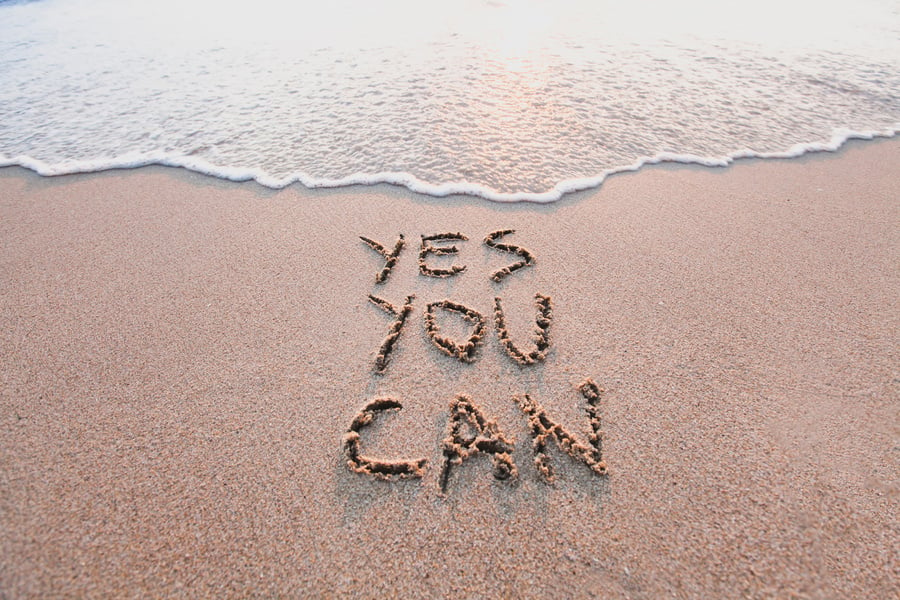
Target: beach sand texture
{"x": 181, "y": 359}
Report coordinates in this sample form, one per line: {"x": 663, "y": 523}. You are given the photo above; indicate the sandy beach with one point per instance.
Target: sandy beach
{"x": 186, "y": 364}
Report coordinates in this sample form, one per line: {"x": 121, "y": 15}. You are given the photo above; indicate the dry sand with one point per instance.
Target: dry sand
{"x": 180, "y": 359}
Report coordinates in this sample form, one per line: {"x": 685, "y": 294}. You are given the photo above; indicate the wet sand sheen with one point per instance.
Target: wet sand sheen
{"x": 182, "y": 359}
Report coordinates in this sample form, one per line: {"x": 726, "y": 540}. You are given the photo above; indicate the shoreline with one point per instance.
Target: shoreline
{"x": 183, "y": 358}
{"x": 840, "y": 138}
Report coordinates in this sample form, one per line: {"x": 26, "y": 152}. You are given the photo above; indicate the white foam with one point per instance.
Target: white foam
{"x": 135, "y": 160}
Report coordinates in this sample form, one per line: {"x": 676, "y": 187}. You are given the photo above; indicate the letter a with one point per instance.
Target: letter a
{"x": 487, "y": 438}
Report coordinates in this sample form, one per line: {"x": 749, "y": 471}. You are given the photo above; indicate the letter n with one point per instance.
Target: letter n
{"x": 543, "y": 429}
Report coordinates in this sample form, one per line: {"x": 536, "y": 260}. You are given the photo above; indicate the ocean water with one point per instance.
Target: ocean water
{"x": 515, "y": 100}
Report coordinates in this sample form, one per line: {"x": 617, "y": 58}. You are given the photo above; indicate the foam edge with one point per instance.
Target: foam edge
{"x": 133, "y": 160}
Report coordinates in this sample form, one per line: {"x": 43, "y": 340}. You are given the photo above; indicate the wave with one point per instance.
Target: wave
{"x": 239, "y": 174}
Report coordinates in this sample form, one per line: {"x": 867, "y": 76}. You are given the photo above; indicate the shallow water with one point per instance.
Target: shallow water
{"x": 510, "y": 101}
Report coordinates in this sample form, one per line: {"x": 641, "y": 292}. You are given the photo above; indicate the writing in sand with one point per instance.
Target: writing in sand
{"x": 469, "y": 431}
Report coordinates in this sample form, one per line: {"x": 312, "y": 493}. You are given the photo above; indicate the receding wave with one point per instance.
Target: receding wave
{"x": 131, "y": 161}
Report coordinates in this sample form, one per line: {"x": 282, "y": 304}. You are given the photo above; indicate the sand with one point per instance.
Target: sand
{"x": 181, "y": 360}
